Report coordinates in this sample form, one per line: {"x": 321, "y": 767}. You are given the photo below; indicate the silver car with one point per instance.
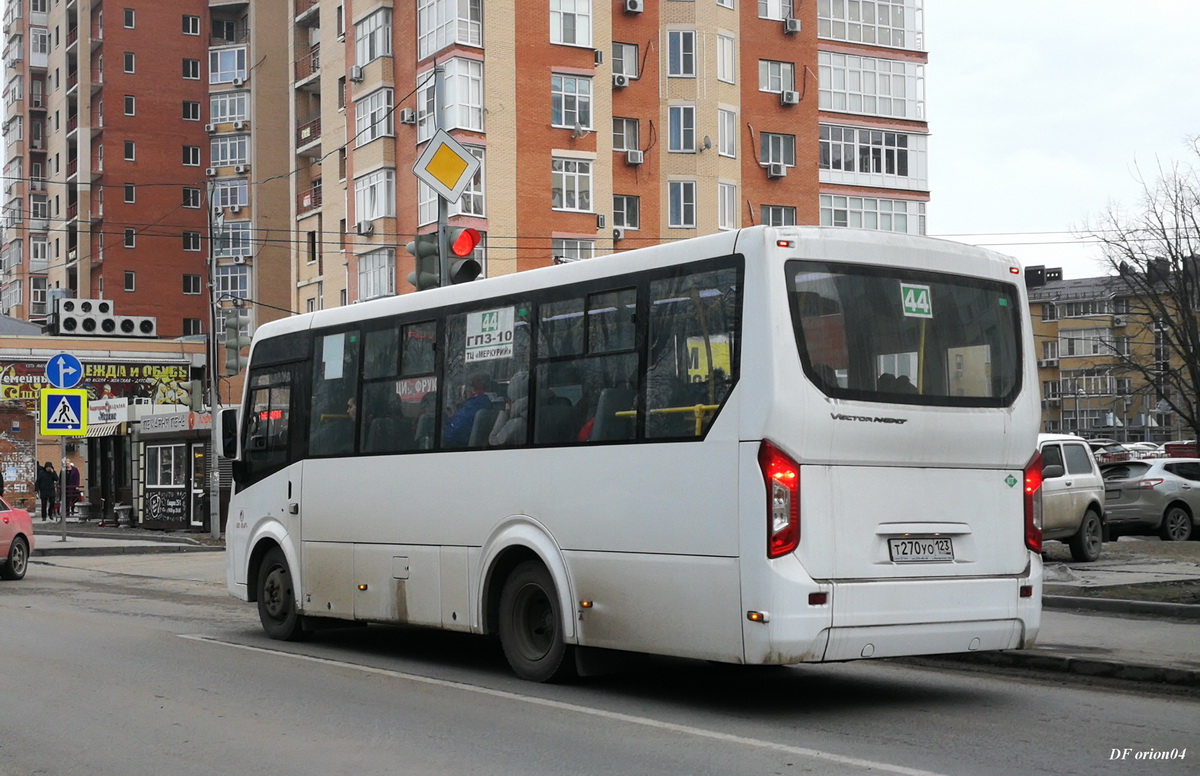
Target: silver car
{"x": 1072, "y": 495}
{"x": 1153, "y": 496}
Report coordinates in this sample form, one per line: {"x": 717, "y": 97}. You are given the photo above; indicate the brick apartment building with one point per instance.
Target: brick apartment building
{"x": 602, "y": 125}
{"x": 125, "y": 124}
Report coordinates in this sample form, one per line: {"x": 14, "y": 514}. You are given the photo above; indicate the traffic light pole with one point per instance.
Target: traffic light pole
{"x": 439, "y": 99}
{"x": 211, "y": 469}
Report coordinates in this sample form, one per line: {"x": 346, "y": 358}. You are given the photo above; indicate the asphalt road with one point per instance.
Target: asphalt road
{"x": 110, "y": 668}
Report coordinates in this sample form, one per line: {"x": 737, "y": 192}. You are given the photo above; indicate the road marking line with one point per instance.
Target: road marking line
{"x": 563, "y": 706}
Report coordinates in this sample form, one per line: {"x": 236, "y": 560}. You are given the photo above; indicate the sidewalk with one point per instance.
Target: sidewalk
{"x": 1115, "y": 638}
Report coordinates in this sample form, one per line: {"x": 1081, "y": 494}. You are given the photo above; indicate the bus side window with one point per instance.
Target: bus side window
{"x": 334, "y": 411}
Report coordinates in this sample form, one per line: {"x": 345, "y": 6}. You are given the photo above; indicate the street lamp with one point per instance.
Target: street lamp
{"x": 1079, "y": 394}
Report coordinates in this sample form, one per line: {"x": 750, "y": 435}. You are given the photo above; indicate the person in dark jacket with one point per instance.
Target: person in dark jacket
{"x": 47, "y": 488}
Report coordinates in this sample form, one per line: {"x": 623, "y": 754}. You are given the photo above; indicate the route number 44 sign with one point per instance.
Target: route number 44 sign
{"x": 916, "y": 301}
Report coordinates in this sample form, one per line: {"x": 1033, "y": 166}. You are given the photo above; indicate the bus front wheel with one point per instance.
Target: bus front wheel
{"x": 531, "y": 626}
{"x": 277, "y": 598}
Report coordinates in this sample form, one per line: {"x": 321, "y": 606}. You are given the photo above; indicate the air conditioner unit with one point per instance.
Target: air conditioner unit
{"x": 210, "y": 128}
{"x": 408, "y": 116}
{"x": 364, "y": 227}
{"x": 239, "y": 259}
{"x": 789, "y": 98}
{"x": 635, "y": 6}
{"x": 1119, "y": 321}
{"x": 239, "y": 125}
{"x": 241, "y": 168}
{"x": 599, "y": 57}
{"x": 791, "y": 26}
{"x": 356, "y": 73}
{"x": 136, "y": 326}
{"x": 600, "y": 220}
{"x": 618, "y": 233}
{"x": 238, "y": 82}
{"x": 620, "y": 80}
{"x": 634, "y": 157}
{"x": 235, "y": 208}
{"x": 210, "y": 171}
{"x": 776, "y": 170}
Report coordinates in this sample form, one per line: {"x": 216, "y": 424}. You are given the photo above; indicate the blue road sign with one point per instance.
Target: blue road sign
{"x": 64, "y": 371}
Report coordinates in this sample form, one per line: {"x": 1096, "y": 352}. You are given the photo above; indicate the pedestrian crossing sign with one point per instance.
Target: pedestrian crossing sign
{"x": 63, "y": 412}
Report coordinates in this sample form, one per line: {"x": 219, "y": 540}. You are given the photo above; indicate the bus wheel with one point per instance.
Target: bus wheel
{"x": 277, "y": 598}
{"x": 531, "y": 626}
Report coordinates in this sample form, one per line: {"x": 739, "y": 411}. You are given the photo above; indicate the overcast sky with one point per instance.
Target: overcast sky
{"x": 1040, "y": 112}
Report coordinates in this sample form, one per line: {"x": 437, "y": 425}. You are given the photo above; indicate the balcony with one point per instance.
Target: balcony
{"x": 72, "y": 36}
{"x": 308, "y": 13}
{"x": 308, "y": 135}
{"x": 309, "y": 199}
{"x": 72, "y": 211}
{"x": 308, "y": 65}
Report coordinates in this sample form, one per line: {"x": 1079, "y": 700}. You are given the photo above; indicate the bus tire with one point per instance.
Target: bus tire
{"x": 277, "y": 598}
{"x": 531, "y": 626}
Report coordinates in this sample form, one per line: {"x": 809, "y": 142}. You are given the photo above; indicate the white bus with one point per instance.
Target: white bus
{"x": 765, "y": 446}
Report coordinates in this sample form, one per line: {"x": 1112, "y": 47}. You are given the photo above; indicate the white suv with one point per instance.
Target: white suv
{"x": 1072, "y": 495}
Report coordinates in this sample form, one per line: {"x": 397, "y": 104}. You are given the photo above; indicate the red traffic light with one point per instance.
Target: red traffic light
{"x": 463, "y": 241}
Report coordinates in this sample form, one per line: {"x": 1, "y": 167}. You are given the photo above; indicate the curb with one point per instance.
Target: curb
{"x": 1122, "y": 606}
{"x": 1040, "y": 660}
{"x": 162, "y": 549}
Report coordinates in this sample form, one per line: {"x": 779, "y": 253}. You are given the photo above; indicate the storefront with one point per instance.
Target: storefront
{"x": 171, "y": 454}
{"x": 108, "y": 493}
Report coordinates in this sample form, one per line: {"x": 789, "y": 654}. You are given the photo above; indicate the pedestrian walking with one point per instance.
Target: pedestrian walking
{"x": 73, "y": 491}
{"x": 46, "y": 487}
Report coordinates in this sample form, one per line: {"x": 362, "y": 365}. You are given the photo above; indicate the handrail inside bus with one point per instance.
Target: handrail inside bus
{"x": 699, "y": 411}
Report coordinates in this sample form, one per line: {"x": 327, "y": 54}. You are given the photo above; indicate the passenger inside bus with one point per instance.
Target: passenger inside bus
{"x": 458, "y": 428}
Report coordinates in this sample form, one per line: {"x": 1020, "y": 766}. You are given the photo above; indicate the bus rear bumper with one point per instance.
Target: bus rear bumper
{"x": 923, "y": 639}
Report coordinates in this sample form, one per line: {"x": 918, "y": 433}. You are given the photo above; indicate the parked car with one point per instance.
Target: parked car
{"x": 1072, "y": 495}
{"x": 16, "y": 541}
{"x": 1160, "y": 495}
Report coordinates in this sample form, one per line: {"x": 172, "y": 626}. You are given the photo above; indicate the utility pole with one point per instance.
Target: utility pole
{"x": 211, "y": 469}
{"x": 439, "y": 122}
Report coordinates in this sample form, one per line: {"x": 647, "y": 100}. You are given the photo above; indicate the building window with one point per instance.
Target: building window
{"x": 233, "y": 239}
{"x": 726, "y": 132}
{"x": 570, "y": 101}
{"x": 130, "y": 196}
{"x": 776, "y": 76}
{"x": 625, "y": 60}
{"x": 191, "y": 156}
{"x": 229, "y": 192}
{"x": 726, "y": 59}
{"x": 130, "y": 151}
{"x": 191, "y": 110}
{"x": 130, "y": 238}
{"x": 571, "y": 22}
{"x": 873, "y": 157}
{"x": 778, "y": 215}
{"x": 681, "y": 53}
{"x": 130, "y": 62}
{"x": 229, "y": 150}
{"x": 895, "y": 23}
{"x": 226, "y": 107}
{"x": 192, "y": 327}
{"x": 681, "y": 120}
{"x": 571, "y": 185}
{"x": 191, "y": 69}
{"x": 727, "y": 207}
{"x": 725, "y": 3}
{"x": 625, "y": 134}
{"x": 775, "y": 9}
{"x": 130, "y": 105}
{"x": 192, "y": 284}
{"x": 375, "y": 195}
{"x": 870, "y": 86}
{"x": 885, "y": 215}
{"x": 373, "y": 117}
{"x": 627, "y": 211}
{"x": 224, "y": 65}
{"x": 373, "y": 37}
{"x": 777, "y": 149}
{"x": 464, "y": 98}
{"x": 441, "y": 23}
{"x": 232, "y": 280}
{"x": 682, "y": 195}
{"x": 191, "y": 25}
{"x": 129, "y": 19}
{"x": 191, "y": 241}
{"x": 130, "y": 281}
{"x": 563, "y": 250}
{"x": 377, "y": 274}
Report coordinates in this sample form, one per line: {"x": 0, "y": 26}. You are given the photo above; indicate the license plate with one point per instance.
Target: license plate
{"x": 921, "y": 549}
{"x": 1112, "y": 495}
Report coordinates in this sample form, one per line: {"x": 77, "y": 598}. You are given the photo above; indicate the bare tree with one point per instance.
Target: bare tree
{"x": 1155, "y": 251}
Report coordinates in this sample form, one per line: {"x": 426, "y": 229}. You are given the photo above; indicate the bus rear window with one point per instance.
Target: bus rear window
{"x": 907, "y": 336}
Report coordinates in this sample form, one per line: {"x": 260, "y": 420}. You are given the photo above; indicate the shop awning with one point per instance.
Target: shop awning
{"x": 103, "y": 429}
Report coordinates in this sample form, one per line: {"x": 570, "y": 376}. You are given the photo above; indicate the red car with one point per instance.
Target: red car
{"x": 16, "y": 541}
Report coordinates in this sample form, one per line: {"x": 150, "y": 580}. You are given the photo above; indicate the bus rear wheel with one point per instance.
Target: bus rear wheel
{"x": 531, "y": 626}
{"x": 277, "y": 598}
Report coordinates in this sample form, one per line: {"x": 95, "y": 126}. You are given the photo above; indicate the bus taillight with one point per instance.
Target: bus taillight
{"x": 1033, "y": 503}
{"x": 782, "y": 477}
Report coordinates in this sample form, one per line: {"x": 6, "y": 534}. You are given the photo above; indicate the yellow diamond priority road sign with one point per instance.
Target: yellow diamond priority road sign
{"x": 63, "y": 412}
{"x": 446, "y": 166}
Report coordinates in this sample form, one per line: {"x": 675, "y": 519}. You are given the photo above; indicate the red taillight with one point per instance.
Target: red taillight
{"x": 1033, "y": 503}
{"x": 782, "y": 477}
{"x": 1147, "y": 484}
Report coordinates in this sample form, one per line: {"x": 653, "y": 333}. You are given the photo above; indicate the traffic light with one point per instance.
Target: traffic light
{"x": 427, "y": 272}
{"x": 234, "y": 342}
{"x": 195, "y": 390}
{"x": 462, "y": 243}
